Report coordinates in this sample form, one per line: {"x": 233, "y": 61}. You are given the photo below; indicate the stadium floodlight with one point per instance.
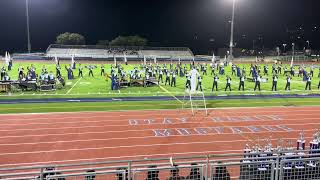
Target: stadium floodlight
{"x": 284, "y": 47}
{"x": 308, "y": 42}
{"x": 232, "y": 31}
{"x": 28, "y": 26}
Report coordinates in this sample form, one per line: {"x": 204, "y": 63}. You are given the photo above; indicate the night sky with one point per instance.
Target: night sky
{"x": 199, "y": 24}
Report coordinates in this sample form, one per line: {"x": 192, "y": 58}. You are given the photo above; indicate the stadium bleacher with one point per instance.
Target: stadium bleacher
{"x": 100, "y": 52}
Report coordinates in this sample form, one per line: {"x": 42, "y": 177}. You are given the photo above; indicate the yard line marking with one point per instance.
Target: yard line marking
{"x": 74, "y": 85}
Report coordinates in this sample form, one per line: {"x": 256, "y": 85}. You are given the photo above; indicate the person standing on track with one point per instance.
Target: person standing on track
{"x": 274, "y": 82}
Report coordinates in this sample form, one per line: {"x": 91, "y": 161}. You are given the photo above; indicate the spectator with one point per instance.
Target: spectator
{"x": 153, "y": 174}
{"x": 174, "y": 174}
{"x": 194, "y": 173}
{"x": 221, "y": 173}
{"x": 120, "y": 174}
{"x": 91, "y": 175}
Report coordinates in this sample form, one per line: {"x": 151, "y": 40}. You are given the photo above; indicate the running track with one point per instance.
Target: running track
{"x": 33, "y": 139}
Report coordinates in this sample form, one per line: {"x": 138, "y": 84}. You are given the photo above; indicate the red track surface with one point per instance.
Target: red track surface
{"x": 28, "y": 139}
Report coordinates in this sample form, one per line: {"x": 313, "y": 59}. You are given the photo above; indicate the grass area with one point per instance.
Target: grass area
{"x": 97, "y": 86}
{"x": 150, "y": 105}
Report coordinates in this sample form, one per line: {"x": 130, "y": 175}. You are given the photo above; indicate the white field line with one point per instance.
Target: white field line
{"x": 73, "y": 85}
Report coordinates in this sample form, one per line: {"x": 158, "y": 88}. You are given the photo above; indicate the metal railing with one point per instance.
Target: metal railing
{"x": 259, "y": 166}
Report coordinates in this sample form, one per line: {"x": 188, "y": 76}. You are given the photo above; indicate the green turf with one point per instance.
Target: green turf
{"x": 99, "y": 87}
{"x": 149, "y": 105}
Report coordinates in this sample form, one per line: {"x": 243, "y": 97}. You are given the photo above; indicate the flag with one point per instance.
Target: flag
{"x": 155, "y": 60}
{"x": 56, "y": 59}
{"x": 213, "y": 58}
{"x": 125, "y": 58}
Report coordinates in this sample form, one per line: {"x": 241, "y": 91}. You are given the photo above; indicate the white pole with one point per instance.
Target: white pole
{"x": 125, "y": 58}
{"x": 232, "y": 31}
{"x": 115, "y": 60}
{"x": 144, "y": 60}
{"x": 292, "y": 54}
{"x": 72, "y": 60}
{"x": 213, "y": 58}
{"x": 28, "y": 26}
{"x": 155, "y": 60}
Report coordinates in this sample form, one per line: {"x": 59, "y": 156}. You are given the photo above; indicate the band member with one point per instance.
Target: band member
{"x": 212, "y": 69}
{"x": 70, "y": 72}
{"x": 279, "y": 69}
{"x": 90, "y": 71}
{"x": 258, "y": 82}
{"x": 173, "y": 79}
{"x": 199, "y": 85}
{"x": 215, "y": 82}
{"x": 58, "y": 73}
{"x": 311, "y": 71}
{"x": 228, "y": 84}
{"x": 167, "y": 79}
{"x": 274, "y": 82}
{"x": 288, "y": 83}
{"x": 188, "y": 83}
{"x": 3, "y": 73}
{"x": 233, "y": 69}
{"x": 308, "y": 84}
{"x": 160, "y": 76}
{"x": 80, "y": 71}
{"x": 241, "y": 84}
{"x": 102, "y": 70}
{"x": 292, "y": 71}
{"x": 6, "y": 77}
{"x": 265, "y": 70}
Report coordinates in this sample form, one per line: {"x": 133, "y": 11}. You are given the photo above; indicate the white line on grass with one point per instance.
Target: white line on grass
{"x": 74, "y": 85}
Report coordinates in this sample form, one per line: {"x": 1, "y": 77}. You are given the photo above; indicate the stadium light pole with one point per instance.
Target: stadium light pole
{"x": 28, "y": 26}
{"x": 293, "y": 50}
{"x": 232, "y": 31}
